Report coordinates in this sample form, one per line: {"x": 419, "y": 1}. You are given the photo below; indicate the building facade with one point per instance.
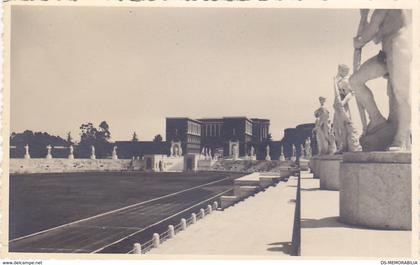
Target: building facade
{"x": 186, "y": 130}
{"x": 214, "y": 134}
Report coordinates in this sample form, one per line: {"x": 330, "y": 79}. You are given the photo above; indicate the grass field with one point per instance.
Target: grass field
{"x": 39, "y": 202}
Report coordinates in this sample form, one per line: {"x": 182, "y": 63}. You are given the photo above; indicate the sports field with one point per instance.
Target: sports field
{"x": 40, "y": 202}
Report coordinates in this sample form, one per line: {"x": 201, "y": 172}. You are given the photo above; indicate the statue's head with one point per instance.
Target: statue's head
{"x": 343, "y": 70}
{"x": 322, "y": 100}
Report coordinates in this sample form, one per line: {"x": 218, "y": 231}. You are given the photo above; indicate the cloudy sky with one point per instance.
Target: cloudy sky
{"x": 134, "y": 66}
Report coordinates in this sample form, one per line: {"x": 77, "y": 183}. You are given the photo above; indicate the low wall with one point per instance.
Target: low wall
{"x": 174, "y": 164}
{"x": 56, "y": 165}
{"x": 251, "y": 165}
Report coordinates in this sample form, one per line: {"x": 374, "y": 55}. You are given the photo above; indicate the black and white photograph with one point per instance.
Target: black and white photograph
{"x": 218, "y": 131}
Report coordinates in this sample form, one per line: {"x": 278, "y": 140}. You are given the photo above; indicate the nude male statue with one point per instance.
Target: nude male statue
{"x": 390, "y": 28}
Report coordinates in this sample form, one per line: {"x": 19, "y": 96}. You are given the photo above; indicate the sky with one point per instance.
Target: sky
{"x": 135, "y": 66}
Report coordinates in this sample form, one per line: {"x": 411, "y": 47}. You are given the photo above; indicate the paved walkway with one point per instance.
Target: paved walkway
{"x": 260, "y": 225}
{"x": 323, "y": 235}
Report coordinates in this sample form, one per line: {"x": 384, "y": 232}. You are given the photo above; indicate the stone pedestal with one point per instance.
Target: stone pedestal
{"x": 375, "y": 189}
{"x": 304, "y": 164}
{"x": 329, "y": 171}
{"x": 315, "y": 166}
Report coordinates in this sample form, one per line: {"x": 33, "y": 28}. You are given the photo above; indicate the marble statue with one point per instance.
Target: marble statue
{"x": 293, "y": 157}
{"x": 252, "y": 151}
{"x": 308, "y": 149}
{"x": 92, "y": 150}
{"x": 203, "y": 153}
{"x": 180, "y": 150}
{"x": 392, "y": 28}
{"x": 49, "y": 156}
{"x": 71, "y": 150}
{"x": 27, "y": 155}
{"x": 171, "y": 149}
{"x": 345, "y": 132}
{"x": 114, "y": 153}
{"x": 282, "y": 158}
{"x": 324, "y": 137}
{"x": 235, "y": 151}
{"x": 302, "y": 152}
{"x": 267, "y": 150}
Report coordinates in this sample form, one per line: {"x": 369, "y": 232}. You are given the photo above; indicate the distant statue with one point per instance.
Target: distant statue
{"x": 302, "y": 152}
{"x": 114, "y": 153}
{"x": 252, "y": 151}
{"x": 324, "y": 137}
{"x": 282, "y": 158}
{"x": 92, "y": 150}
{"x": 203, "y": 153}
{"x": 308, "y": 150}
{"x": 171, "y": 149}
{"x": 49, "y": 156}
{"x": 180, "y": 150}
{"x": 175, "y": 149}
{"x": 293, "y": 157}
{"x": 267, "y": 150}
{"x": 392, "y": 28}
{"x": 235, "y": 151}
{"x": 27, "y": 155}
{"x": 71, "y": 150}
{"x": 345, "y": 132}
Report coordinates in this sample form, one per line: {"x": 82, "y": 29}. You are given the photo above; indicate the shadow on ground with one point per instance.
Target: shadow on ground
{"x": 310, "y": 189}
{"x": 332, "y": 221}
{"x": 284, "y": 247}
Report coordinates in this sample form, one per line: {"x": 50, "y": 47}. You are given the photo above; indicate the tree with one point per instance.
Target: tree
{"x": 158, "y": 138}
{"x": 99, "y": 138}
{"x": 135, "y": 138}
{"x": 103, "y": 133}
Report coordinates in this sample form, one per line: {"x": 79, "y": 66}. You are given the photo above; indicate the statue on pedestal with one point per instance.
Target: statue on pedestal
{"x": 324, "y": 137}
{"x": 345, "y": 132}
{"x": 267, "y": 150}
{"x": 308, "y": 149}
{"x": 302, "y": 152}
{"x": 92, "y": 154}
{"x": 235, "y": 151}
{"x": 114, "y": 153}
{"x": 391, "y": 28}
{"x": 49, "y": 156}
{"x": 293, "y": 157}
{"x": 27, "y": 155}
{"x": 282, "y": 158}
{"x": 180, "y": 150}
{"x": 71, "y": 150}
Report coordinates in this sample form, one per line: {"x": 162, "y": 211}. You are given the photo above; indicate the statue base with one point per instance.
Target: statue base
{"x": 71, "y": 157}
{"x": 329, "y": 172}
{"x": 304, "y": 164}
{"x": 314, "y": 165}
{"x": 375, "y": 189}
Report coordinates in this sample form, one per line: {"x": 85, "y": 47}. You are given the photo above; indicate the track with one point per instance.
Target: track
{"x": 101, "y": 231}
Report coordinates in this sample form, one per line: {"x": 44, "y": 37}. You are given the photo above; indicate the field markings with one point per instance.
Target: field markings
{"x": 117, "y": 210}
{"x": 161, "y": 221}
